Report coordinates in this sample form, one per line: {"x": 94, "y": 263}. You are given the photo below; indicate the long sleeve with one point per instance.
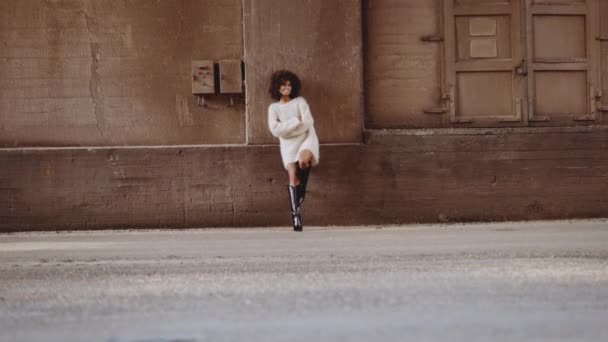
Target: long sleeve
{"x": 306, "y": 119}
{"x": 278, "y": 128}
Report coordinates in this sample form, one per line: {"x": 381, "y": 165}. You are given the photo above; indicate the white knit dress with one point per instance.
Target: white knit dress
{"x": 293, "y": 124}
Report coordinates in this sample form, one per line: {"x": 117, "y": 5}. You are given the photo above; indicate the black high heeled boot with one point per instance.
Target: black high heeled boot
{"x": 295, "y": 208}
{"x": 303, "y": 177}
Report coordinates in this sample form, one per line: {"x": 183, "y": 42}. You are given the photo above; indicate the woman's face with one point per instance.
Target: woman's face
{"x": 285, "y": 88}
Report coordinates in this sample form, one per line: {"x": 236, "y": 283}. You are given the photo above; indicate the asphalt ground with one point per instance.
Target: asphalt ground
{"x": 530, "y": 281}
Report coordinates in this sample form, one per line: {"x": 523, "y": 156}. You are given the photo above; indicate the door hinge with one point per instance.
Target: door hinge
{"x": 603, "y": 109}
{"x": 598, "y": 94}
{"x": 431, "y": 38}
{"x": 518, "y": 108}
{"x": 435, "y": 110}
{"x": 445, "y": 97}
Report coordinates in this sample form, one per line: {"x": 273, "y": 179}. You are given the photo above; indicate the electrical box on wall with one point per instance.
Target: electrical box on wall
{"x": 203, "y": 77}
{"x": 231, "y": 76}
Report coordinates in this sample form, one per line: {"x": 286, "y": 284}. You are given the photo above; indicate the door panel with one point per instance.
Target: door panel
{"x": 560, "y": 93}
{"x": 571, "y": 32}
{"x": 483, "y": 50}
{"x": 485, "y": 94}
{"x": 483, "y": 37}
{"x": 563, "y": 55}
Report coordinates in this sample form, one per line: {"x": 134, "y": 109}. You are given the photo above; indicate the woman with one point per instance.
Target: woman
{"x": 290, "y": 120}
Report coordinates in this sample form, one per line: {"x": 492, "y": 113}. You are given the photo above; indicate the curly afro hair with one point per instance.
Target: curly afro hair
{"x": 281, "y": 76}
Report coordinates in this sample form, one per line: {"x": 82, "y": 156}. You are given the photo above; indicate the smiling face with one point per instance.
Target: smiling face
{"x": 284, "y": 85}
{"x": 285, "y": 88}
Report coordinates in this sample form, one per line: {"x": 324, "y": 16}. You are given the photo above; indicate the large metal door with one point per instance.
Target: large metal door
{"x": 483, "y": 80}
{"x": 521, "y": 62}
{"x": 563, "y": 79}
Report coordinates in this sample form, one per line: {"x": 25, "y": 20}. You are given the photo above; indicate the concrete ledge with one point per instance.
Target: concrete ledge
{"x": 485, "y": 131}
{"x": 395, "y": 178}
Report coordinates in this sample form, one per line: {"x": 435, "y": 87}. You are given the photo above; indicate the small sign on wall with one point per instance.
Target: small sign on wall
{"x": 203, "y": 77}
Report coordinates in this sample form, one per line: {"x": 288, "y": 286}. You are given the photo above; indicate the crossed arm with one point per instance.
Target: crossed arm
{"x": 292, "y": 127}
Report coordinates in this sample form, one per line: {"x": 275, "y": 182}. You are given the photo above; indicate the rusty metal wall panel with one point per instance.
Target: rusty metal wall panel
{"x": 109, "y": 72}
{"x": 320, "y": 41}
{"x": 402, "y": 73}
{"x": 397, "y": 177}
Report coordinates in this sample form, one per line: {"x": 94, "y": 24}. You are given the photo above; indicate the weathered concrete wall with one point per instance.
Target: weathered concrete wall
{"x": 114, "y": 72}
{"x": 319, "y": 40}
{"x": 396, "y": 177}
{"x": 402, "y": 73}
{"x": 109, "y": 72}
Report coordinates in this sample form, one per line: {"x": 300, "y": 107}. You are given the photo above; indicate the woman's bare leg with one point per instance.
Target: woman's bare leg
{"x": 305, "y": 159}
